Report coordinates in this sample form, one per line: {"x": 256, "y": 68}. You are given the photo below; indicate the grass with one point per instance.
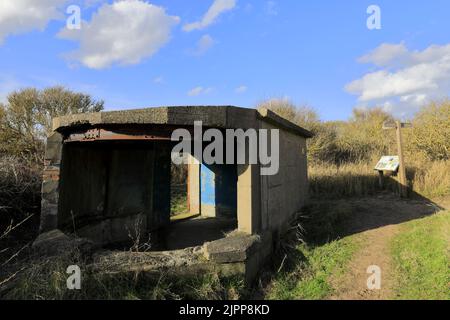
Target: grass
{"x": 45, "y": 279}
{"x": 358, "y": 179}
{"x": 346, "y": 180}
{"x": 421, "y": 254}
{"x": 421, "y": 263}
{"x": 431, "y": 179}
{"x": 312, "y": 278}
{"x": 178, "y": 200}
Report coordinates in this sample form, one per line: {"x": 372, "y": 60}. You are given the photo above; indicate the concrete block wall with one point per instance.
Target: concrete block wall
{"x": 283, "y": 195}
{"x": 193, "y": 186}
{"x": 50, "y": 183}
{"x": 249, "y": 199}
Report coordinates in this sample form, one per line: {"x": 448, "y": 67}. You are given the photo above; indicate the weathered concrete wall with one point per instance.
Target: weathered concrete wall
{"x": 50, "y": 183}
{"x": 193, "y": 186}
{"x": 160, "y": 213}
{"x": 249, "y": 199}
{"x": 268, "y": 203}
{"x": 283, "y": 195}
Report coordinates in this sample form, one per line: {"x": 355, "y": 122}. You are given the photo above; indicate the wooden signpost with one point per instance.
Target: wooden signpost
{"x": 397, "y": 125}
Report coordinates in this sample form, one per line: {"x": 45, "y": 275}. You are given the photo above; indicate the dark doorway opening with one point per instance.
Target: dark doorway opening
{"x": 115, "y": 192}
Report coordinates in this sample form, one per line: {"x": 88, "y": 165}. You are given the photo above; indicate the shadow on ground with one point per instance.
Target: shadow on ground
{"x": 197, "y": 231}
{"x": 333, "y": 218}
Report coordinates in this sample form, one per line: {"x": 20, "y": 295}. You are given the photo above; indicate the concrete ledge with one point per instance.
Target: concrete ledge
{"x": 125, "y": 261}
{"x": 240, "y": 254}
{"x": 236, "y": 255}
{"x": 231, "y": 249}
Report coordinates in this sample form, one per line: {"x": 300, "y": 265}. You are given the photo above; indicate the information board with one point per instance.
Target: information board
{"x": 388, "y": 163}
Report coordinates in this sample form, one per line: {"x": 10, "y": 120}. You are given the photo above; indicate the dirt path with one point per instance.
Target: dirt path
{"x": 377, "y": 223}
{"x": 374, "y": 251}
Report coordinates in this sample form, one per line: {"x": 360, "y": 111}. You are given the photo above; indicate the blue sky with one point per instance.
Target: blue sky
{"x": 307, "y": 51}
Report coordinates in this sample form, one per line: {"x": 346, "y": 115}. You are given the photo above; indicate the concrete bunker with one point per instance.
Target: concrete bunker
{"x": 107, "y": 177}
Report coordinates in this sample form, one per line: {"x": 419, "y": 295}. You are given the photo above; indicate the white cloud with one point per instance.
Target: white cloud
{"x": 205, "y": 43}
{"x": 124, "y": 32}
{"x": 199, "y": 91}
{"x": 406, "y": 79}
{"x": 385, "y": 54}
{"x": 21, "y": 16}
{"x": 217, "y": 8}
{"x": 241, "y": 89}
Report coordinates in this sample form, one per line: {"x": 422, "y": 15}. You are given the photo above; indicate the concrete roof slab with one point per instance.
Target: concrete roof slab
{"x": 211, "y": 116}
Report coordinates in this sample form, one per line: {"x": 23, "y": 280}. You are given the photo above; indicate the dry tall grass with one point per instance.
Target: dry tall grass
{"x": 20, "y": 184}
{"x": 342, "y": 155}
{"x": 430, "y": 178}
{"x": 425, "y": 178}
{"x": 333, "y": 181}
{"x": 20, "y": 198}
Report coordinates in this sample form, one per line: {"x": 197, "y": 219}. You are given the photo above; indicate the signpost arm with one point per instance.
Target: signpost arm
{"x": 402, "y": 169}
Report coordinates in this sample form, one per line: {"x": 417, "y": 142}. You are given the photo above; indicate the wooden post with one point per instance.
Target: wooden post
{"x": 402, "y": 181}
{"x": 402, "y": 170}
{"x": 381, "y": 179}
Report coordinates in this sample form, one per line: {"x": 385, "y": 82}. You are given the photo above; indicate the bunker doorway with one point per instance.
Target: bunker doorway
{"x": 118, "y": 193}
{"x": 115, "y": 192}
{"x": 211, "y": 206}
{"x": 179, "y": 204}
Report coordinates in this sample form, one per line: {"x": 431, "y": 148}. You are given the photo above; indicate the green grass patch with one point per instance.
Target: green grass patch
{"x": 421, "y": 256}
{"x": 178, "y": 201}
{"x": 311, "y": 278}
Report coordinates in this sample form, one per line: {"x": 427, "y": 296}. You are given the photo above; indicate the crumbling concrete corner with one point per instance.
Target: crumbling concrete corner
{"x": 50, "y": 183}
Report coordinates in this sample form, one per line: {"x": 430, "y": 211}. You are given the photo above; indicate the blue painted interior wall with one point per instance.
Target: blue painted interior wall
{"x": 219, "y": 188}
{"x": 208, "y": 185}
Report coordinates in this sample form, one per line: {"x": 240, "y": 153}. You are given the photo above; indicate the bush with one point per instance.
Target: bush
{"x": 20, "y": 186}
{"x": 430, "y": 134}
{"x": 26, "y": 118}
{"x": 342, "y": 155}
{"x": 362, "y": 137}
